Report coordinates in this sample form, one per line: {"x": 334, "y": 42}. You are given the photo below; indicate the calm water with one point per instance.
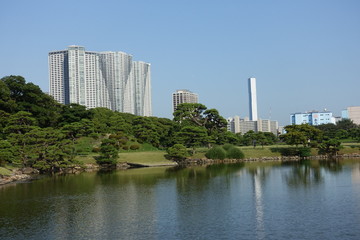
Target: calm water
{"x": 309, "y": 200}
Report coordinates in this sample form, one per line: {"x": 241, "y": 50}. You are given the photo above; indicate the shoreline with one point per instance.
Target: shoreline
{"x": 29, "y": 174}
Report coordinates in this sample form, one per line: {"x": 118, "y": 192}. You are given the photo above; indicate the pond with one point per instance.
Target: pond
{"x": 293, "y": 200}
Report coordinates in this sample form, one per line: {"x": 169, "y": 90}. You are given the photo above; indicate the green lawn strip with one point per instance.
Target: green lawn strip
{"x": 145, "y": 158}
{"x": 157, "y": 157}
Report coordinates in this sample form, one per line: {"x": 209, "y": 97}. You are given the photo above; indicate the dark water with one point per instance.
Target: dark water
{"x": 308, "y": 200}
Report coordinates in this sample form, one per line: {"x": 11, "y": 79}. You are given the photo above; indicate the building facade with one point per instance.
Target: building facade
{"x": 352, "y": 113}
{"x": 100, "y": 79}
{"x": 252, "y": 99}
{"x": 243, "y": 125}
{"x": 313, "y": 118}
{"x": 184, "y": 96}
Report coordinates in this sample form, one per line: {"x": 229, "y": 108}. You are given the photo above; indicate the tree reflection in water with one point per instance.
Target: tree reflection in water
{"x": 304, "y": 173}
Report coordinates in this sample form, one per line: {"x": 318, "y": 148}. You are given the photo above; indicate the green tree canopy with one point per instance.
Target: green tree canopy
{"x": 21, "y": 96}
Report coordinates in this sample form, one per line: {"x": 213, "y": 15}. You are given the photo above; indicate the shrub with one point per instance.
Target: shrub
{"x": 134, "y": 146}
{"x": 304, "y": 152}
{"x": 227, "y": 146}
{"x": 234, "y": 153}
{"x": 216, "y": 153}
{"x": 178, "y": 152}
{"x": 293, "y": 151}
{"x": 126, "y": 147}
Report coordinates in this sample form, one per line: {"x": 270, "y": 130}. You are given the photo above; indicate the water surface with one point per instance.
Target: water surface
{"x": 307, "y": 200}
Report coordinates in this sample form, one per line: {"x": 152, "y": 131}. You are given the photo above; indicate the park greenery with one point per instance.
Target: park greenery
{"x": 38, "y": 132}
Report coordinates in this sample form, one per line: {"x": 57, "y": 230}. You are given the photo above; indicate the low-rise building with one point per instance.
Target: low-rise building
{"x": 313, "y": 118}
{"x": 352, "y": 113}
{"x": 243, "y": 125}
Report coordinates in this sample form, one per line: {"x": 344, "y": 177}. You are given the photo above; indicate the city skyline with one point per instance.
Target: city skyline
{"x": 305, "y": 55}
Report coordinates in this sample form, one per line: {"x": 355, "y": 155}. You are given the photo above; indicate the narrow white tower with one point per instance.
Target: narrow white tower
{"x": 252, "y": 100}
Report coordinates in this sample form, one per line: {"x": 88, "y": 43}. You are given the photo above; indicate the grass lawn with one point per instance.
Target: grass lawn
{"x": 146, "y": 158}
{"x": 152, "y": 157}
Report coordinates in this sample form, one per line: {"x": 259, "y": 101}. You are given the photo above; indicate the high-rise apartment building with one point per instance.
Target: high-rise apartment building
{"x": 100, "y": 79}
{"x": 183, "y": 96}
{"x": 252, "y": 99}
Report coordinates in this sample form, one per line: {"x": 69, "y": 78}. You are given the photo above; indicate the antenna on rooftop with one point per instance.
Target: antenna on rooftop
{"x": 270, "y": 113}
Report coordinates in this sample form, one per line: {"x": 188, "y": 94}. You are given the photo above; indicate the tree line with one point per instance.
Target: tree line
{"x": 36, "y": 131}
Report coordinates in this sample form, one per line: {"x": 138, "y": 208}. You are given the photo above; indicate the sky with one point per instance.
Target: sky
{"x": 304, "y": 54}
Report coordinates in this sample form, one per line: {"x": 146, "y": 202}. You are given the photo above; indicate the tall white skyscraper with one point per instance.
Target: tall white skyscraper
{"x": 252, "y": 100}
{"x": 183, "y": 96}
{"x": 100, "y": 79}
{"x": 141, "y": 86}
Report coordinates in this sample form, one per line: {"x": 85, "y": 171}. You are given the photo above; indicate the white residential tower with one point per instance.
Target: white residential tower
{"x": 100, "y": 79}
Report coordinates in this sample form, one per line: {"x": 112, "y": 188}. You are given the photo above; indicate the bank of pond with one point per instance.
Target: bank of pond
{"x": 88, "y": 164}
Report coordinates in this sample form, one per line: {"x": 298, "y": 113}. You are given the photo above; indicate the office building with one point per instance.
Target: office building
{"x": 313, "y": 118}
{"x": 100, "y": 79}
{"x": 183, "y": 96}
{"x": 252, "y": 99}
{"x": 352, "y": 113}
{"x": 243, "y": 125}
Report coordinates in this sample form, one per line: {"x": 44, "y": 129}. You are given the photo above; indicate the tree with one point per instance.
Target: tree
{"x": 261, "y": 138}
{"x": 192, "y": 137}
{"x": 190, "y": 114}
{"x": 177, "y": 153}
{"x": 7, "y": 153}
{"x": 109, "y": 153}
{"x": 6, "y": 103}
{"x": 328, "y": 129}
{"x": 294, "y": 138}
{"x": 330, "y": 147}
{"x": 4, "y": 119}
{"x": 146, "y": 131}
{"x": 249, "y": 138}
{"x": 101, "y": 119}
{"x": 355, "y": 133}
{"x": 20, "y": 123}
{"x": 230, "y": 137}
{"x": 49, "y": 150}
{"x": 22, "y": 96}
{"x": 197, "y": 115}
{"x": 346, "y": 124}
{"x": 73, "y": 113}
{"x": 302, "y": 134}
{"x": 117, "y": 123}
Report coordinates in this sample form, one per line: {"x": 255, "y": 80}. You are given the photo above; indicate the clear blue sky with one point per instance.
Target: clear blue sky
{"x": 305, "y": 54}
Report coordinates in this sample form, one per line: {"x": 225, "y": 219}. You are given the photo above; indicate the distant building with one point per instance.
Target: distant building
{"x": 239, "y": 125}
{"x": 183, "y": 96}
{"x": 313, "y": 118}
{"x": 352, "y": 113}
{"x": 252, "y": 99}
{"x": 100, "y": 79}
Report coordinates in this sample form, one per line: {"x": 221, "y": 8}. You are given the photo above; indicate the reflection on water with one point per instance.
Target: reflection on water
{"x": 260, "y": 230}
{"x": 297, "y": 200}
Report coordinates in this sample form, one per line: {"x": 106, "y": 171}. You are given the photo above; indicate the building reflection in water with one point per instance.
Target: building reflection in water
{"x": 259, "y": 207}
